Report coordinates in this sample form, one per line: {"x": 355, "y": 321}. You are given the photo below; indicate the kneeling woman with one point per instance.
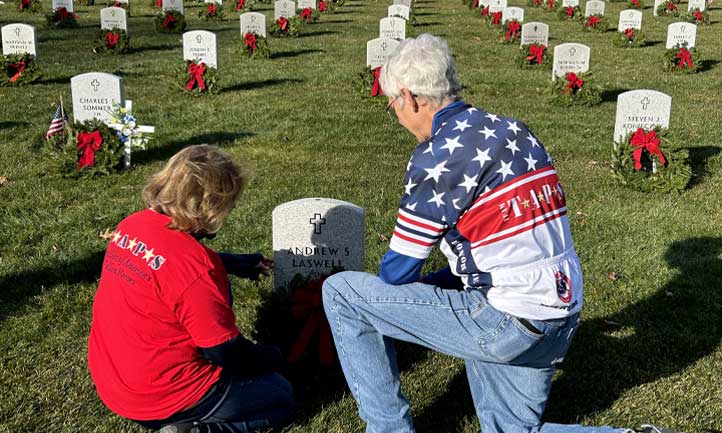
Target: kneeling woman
{"x": 164, "y": 349}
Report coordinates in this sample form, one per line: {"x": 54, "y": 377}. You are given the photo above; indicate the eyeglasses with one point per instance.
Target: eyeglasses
{"x": 388, "y": 108}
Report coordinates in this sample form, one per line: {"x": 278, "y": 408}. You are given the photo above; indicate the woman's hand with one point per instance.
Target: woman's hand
{"x": 265, "y": 266}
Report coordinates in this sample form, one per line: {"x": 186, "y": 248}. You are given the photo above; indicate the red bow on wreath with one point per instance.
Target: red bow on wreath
{"x": 684, "y": 58}
{"x": 308, "y": 305}
{"x": 645, "y": 141}
{"x": 592, "y": 21}
{"x": 513, "y": 30}
{"x": 636, "y": 3}
{"x": 240, "y": 4}
{"x": 574, "y": 83}
{"x": 24, "y": 4}
{"x": 376, "y": 89}
{"x": 88, "y": 143}
{"x": 195, "y": 72}
{"x": 111, "y": 39}
{"x": 168, "y": 21}
{"x": 282, "y": 23}
{"x": 306, "y": 14}
{"x": 212, "y": 9}
{"x": 475, "y": 4}
{"x": 61, "y": 14}
{"x": 698, "y": 16}
{"x": 117, "y": 4}
{"x": 495, "y": 18}
{"x": 629, "y": 33}
{"x": 536, "y": 52}
{"x": 485, "y": 12}
{"x": 159, "y": 3}
{"x": 550, "y": 4}
{"x": 251, "y": 42}
{"x": 322, "y": 6}
{"x": 570, "y": 11}
{"x": 671, "y": 6}
{"x": 16, "y": 70}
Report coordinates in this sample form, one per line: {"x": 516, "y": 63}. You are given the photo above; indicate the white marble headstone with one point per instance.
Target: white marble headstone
{"x": 644, "y": 109}
{"x": 680, "y": 33}
{"x": 594, "y": 7}
{"x": 377, "y": 50}
{"x": 496, "y": 6}
{"x": 402, "y": 11}
{"x": 303, "y": 4}
{"x": 567, "y": 3}
{"x": 392, "y": 28}
{"x": 113, "y": 18}
{"x": 512, "y": 13}
{"x": 570, "y": 57}
{"x": 218, "y": 2}
{"x": 313, "y": 236}
{"x": 95, "y": 94}
{"x": 19, "y": 39}
{"x": 173, "y": 5}
{"x": 629, "y": 19}
{"x": 200, "y": 45}
{"x": 535, "y": 33}
{"x": 67, "y": 4}
{"x": 656, "y": 5}
{"x": 253, "y": 22}
{"x": 284, "y": 8}
{"x": 403, "y": 2}
{"x": 696, "y": 4}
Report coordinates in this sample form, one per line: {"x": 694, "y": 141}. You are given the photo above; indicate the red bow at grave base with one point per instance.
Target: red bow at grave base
{"x": 306, "y": 15}
{"x": 195, "y": 72}
{"x": 671, "y": 7}
{"x": 282, "y": 24}
{"x": 240, "y": 4}
{"x": 495, "y": 18}
{"x": 111, "y": 39}
{"x": 61, "y": 14}
{"x": 550, "y": 4}
{"x": 168, "y": 21}
{"x": 376, "y": 89}
{"x": 570, "y": 11}
{"x": 698, "y": 16}
{"x": 574, "y": 83}
{"x": 485, "y": 12}
{"x": 629, "y": 33}
{"x": 251, "y": 42}
{"x": 513, "y": 30}
{"x": 16, "y": 70}
{"x": 684, "y": 58}
{"x": 592, "y": 21}
{"x": 308, "y": 305}
{"x": 159, "y": 3}
{"x": 88, "y": 143}
{"x": 636, "y": 3}
{"x": 475, "y": 4}
{"x": 24, "y": 4}
{"x": 117, "y": 4}
{"x": 645, "y": 141}
{"x": 322, "y": 6}
{"x": 212, "y": 9}
{"x": 536, "y": 52}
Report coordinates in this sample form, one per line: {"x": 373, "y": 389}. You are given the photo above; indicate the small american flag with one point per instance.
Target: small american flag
{"x": 57, "y": 125}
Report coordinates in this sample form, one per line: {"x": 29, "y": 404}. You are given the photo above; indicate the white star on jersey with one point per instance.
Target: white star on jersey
{"x": 492, "y": 117}
{"x": 488, "y": 133}
{"x": 411, "y": 206}
{"x": 455, "y": 203}
{"x": 430, "y": 149}
{"x": 505, "y": 169}
{"x": 435, "y": 172}
{"x": 471, "y": 110}
{"x": 531, "y": 162}
{"x": 469, "y": 183}
{"x": 437, "y": 198}
{"x": 482, "y": 157}
{"x": 512, "y": 127}
{"x": 532, "y": 140}
{"x": 461, "y": 126}
{"x": 512, "y": 146}
{"x": 409, "y": 186}
{"x": 452, "y": 144}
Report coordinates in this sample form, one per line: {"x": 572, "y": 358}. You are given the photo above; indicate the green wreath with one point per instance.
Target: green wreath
{"x": 596, "y": 23}
{"x": 338, "y": 2}
{"x": 535, "y": 3}
{"x": 60, "y": 18}
{"x": 635, "y": 4}
{"x": 292, "y": 29}
{"x": 118, "y": 4}
{"x": 209, "y": 77}
{"x": 653, "y": 175}
{"x": 85, "y": 2}
{"x": 528, "y": 58}
{"x": 19, "y": 70}
{"x": 365, "y": 83}
{"x": 560, "y": 93}
{"x": 170, "y": 21}
{"x": 312, "y": 17}
{"x": 696, "y": 16}
{"x": 106, "y": 45}
{"x": 551, "y": 5}
{"x": 682, "y": 60}
{"x": 30, "y": 6}
{"x": 64, "y": 156}
{"x": 247, "y": 6}
{"x": 509, "y": 35}
{"x": 262, "y": 51}
{"x": 630, "y": 38}
{"x": 570, "y": 13}
{"x": 668, "y": 9}
{"x": 493, "y": 19}
{"x": 212, "y": 11}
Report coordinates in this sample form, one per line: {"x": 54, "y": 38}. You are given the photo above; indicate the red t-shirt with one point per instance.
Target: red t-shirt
{"x": 162, "y": 295}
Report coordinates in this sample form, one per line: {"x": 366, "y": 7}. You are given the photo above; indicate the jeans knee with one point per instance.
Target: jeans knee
{"x": 339, "y": 283}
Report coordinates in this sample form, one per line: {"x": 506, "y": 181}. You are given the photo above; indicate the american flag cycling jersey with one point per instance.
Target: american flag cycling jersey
{"x": 484, "y": 188}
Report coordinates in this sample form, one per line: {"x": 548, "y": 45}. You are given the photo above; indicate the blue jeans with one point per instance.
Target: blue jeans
{"x": 509, "y": 361}
{"x": 237, "y": 404}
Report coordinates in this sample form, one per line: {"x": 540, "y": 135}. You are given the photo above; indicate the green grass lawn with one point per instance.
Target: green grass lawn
{"x": 649, "y": 345}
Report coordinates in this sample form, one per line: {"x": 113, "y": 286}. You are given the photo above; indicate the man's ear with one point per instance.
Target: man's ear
{"x": 409, "y": 98}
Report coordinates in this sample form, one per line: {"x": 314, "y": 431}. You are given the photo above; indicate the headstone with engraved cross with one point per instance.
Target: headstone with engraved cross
{"x": 402, "y": 11}
{"x": 496, "y": 5}
{"x": 512, "y": 13}
{"x": 594, "y": 7}
{"x": 173, "y": 5}
{"x": 392, "y": 28}
{"x": 312, "y": 236}
{"x": 303, "y": 4}
{"x": 570, "y": 3}
{"x": 377, "y": 50}
{"x": 284, "y": 8}
{"x": 19, "y": 39}
{"x": 681, "y": 34}
{"x": 644, "y": 109}
{"x": 113, "y": 18}
{"x": 570, "y": 57}
{"x": 253, "y": 22}
{"x": 535, "y": 33}
{"x": 629, "y": 19}
{"x": 95, "y": 96}
{"x": 696, "y": 4}
{"x": 200, "y": 45}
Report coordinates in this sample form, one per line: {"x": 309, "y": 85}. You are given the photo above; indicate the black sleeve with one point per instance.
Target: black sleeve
{"x": 444, "y": 279}
{"x": 242, "y": 356}
{"x": 242, "y": 265}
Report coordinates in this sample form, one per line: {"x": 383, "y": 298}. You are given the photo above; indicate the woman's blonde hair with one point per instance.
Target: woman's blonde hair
{"x": 197, "y": 188}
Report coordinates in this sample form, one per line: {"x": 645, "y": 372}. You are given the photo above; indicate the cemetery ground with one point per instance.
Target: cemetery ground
{"x": 649, "y": 345}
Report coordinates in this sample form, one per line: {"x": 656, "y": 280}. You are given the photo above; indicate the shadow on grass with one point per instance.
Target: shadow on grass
{"x": 653, "y": 43}
{"x": 698, "y": 157}
{"x": 290, "y": 54}
{"x": 427, "y": 24}
{"x": 8, "y": 125}
{"x": 342, "y": 13}
{"x": 611, "y": 94}
{"x": 57, "y": 80}
{"x": 252, "y": 85}
{"x": 708, "y": 64}
{"x": 18, "y": 288}
{"x": 162, "y": 153}
{"x": 164, "y": 47}
{"x": 338, "y": 21}
{"x": 321, "y": 33}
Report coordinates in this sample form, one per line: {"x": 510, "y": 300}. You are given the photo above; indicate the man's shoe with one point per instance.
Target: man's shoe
{"x": 181, "y": 428}
{"x": 648, "y": 428}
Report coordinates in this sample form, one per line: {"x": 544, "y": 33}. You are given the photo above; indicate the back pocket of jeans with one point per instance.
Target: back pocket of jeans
{"x": 510, "y": 341}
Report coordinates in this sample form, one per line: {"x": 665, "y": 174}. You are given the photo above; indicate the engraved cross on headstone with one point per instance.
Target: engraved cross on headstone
{"x": 384, "y": 45}
{"x": 95, "y": 84}
{"x": 645, "y": 103}
{"x": 682, "y": 28}
{"x": 572, "y": 51}
{"x": 253, "y": 18}
{"x": 535, "y": 28}
{"x": 199, "y": 39}
{"x": 317, "y": 222}
{"x": 112, "y": 13}
{"x": 17, "y": 31}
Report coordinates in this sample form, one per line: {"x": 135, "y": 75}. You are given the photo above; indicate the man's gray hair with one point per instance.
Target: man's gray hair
{"x": 424, "y": 66}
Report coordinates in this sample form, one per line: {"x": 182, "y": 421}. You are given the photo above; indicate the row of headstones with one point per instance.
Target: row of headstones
{"x": 500, "y": 5}
{"x": 281, "y": 8}
{"x": 393, "y": 25}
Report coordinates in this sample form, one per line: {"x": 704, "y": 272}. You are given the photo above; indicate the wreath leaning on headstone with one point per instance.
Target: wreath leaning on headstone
{"x": 570, "y": 13}
{"x": 18, "y": 70}
{"x": 286, "y": 27}
{"x": 533, "y": 56}
{"x": 170, "y": 21}
{"x": 635, "y": 4}
{"x": 60, "y": 18}
{"x": 368, "y": 84}
{"x": 641, "y": 162}
{"x": 197, "y": 78}
{"x": 596, "y": 23}
{"x": 308, "y": 15}
{"x": 574, "y": 89}
{"x": 551, "y": 5}
{"x": 113, "y": 41}
{"x": 212, "y": 11}
{"x": 32, "y": 6}
{"x": 493, "y": 19}
{"x": 682, "y": 60}
{"x": 668, "y": 8}
{"x": 254, "y": 46}
{"x": 630, "y": 38}
{"x": 696, "y": 16}
{"x": 535, "y": 3}
{"x": 244, "y": 6}
{"x": 511, "y": 32}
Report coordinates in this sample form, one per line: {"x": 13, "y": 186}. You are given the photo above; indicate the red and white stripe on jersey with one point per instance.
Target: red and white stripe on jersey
{"x": 414, "y": 236}
{"x": 514, "y": 207}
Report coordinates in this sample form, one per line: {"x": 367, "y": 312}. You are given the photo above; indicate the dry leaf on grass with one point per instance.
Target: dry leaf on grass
{"x": 4, "y": 180}
{"x": 382, "y": 238}
{"x": 613, "y": 275}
